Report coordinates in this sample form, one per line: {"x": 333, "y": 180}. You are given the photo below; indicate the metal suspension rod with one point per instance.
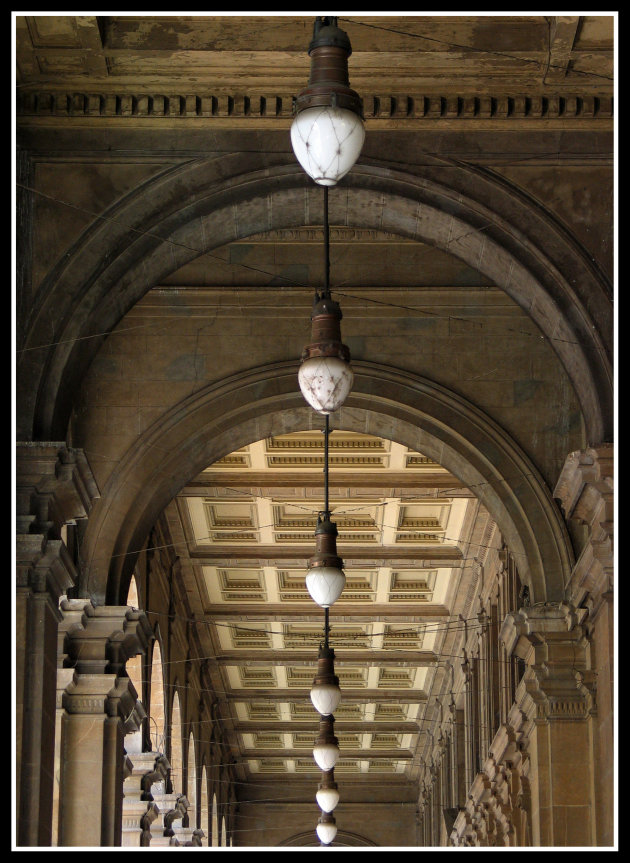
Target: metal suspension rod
{"x": 326, "y": 433}
{"x": 326, "y": 245}
{"x": 326, "y": 627}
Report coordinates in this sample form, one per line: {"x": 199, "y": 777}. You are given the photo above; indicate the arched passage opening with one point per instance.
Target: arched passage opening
{"x": 176, "y": 755}
{"x": 386, "y": 402}
{"x": 191, "y": 783}
{"x": 134, "y": 663}
{"x": 156, "y": 700}
{"x": 204, "y": 812}
{"x": 214, "y": 823}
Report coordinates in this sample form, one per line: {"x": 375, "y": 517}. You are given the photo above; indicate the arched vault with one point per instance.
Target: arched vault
{"x": 189, "y": 210}
{"x": 385, "y": 402}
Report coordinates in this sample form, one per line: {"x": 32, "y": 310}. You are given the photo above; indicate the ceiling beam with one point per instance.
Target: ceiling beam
{"x": 367, "y": 696}
{"x": 437, "y": 555}
{"x": 338, "y": 479}
{"x": 252, "y": 612}
{"x": 256, "y": 656}
{"x": 343, "y": 726}
{"x": 358, "y": 754}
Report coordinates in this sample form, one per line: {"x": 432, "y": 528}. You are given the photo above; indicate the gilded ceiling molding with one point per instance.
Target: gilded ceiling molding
{"x": 556, "y": 106}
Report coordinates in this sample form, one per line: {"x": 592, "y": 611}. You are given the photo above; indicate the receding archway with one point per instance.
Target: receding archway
{"x": 385, "y": 402}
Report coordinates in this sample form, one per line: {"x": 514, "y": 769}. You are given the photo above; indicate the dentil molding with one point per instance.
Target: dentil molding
{"x": 65, "y": 103}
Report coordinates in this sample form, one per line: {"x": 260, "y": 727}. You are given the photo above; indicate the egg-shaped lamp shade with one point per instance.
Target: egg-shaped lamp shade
{"x": 327, "y": 799}
{"x": 325, "y": 755}
{"x": 325, "y": 382}
{"x": 325, "y": 584}
{"x": 327, "y": 141}
{"x": 325, "y": 698}
{"x": 326, "y": 831}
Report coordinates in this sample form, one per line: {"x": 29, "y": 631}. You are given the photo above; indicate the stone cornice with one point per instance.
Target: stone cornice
{"x": 72, "y": 103}
{"x": 43, "y": 565}
{"x": 558, "y": 683}
{"x": 585, "y": 491}
{"x": 530, "y": 625}
{"x": 54, "y": 486}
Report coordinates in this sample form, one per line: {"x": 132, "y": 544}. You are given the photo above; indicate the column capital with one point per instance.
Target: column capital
{"x": 551, "y": 638}
{"x": 43, "y": 565}
{"x": 100, "y": 639}
{"x": 591, "y": 466}
{"x": 534, "y": 625}
{"x": 54, "y": 485}
{"x": 104, "y": 695}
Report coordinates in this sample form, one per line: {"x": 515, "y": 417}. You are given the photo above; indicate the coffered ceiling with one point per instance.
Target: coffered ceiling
{"x": 404, "y": 524}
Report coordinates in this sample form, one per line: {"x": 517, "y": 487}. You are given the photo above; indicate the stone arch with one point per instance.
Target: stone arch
{"x": 214, "y": 823}
{"x": 344, "y": 839}
{"x": 156, "y": 717}
{"x": 191, "y": 782}
{"x": 386, "y": 402}
{"x": 176, "y": 757}
{"x": 133, "y": 665}
{"x": 204, "y": 812}
{"x": 474, "y": 215}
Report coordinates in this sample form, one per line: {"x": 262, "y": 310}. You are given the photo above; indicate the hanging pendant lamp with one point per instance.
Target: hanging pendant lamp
{"x": 325, "y": 693}
{"x": 328, "y": 133}
{"x": 326, "y": 828}
{"x": 327, "y": 794}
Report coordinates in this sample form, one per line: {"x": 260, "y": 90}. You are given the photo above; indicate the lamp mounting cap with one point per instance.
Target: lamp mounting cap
{"x": 327, "y": 33}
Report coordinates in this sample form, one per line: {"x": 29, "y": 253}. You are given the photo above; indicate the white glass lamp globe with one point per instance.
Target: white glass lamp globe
{"x": 327, "y": 142}
{"x": 325, "y": 584}
{"x": 325, "y": 382}
{"x": 327, "y": 799}
{"x": 325, "y": 698}
{"x": 326, "y": 832}
{"x": 325, "y": 755}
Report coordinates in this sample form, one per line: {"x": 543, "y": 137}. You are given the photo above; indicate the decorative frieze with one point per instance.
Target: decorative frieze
{"x": 376, "y": 107}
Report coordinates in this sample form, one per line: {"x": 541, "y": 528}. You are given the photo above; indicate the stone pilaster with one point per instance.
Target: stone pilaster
{"x": 100, "y": 706}
{"x": 557, "y": 696}
{"x": 54, "y": 486}
{"x": 585, "y": 490}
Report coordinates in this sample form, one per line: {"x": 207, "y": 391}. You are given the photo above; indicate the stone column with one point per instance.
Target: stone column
{"x": 54, "y": 486}
{"x": 100, "y": 706}
{"x": 557, "y": 697}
